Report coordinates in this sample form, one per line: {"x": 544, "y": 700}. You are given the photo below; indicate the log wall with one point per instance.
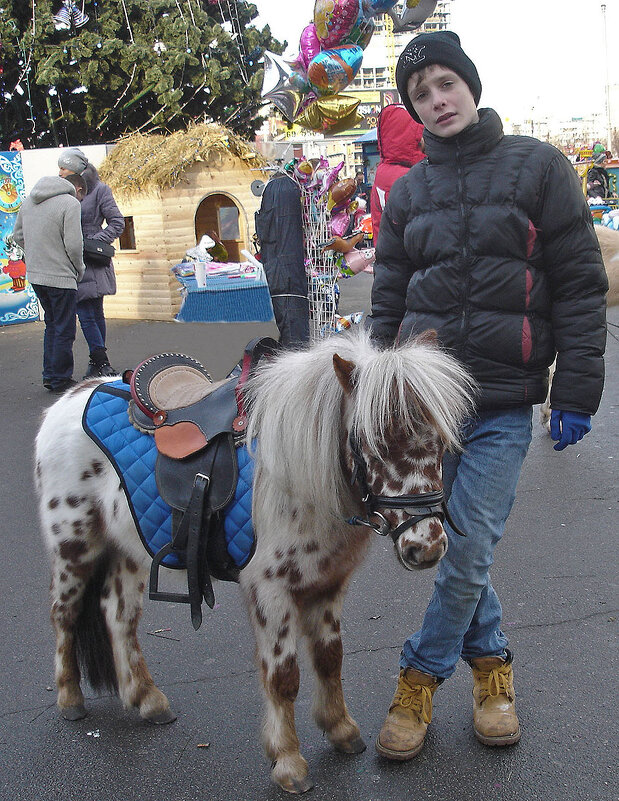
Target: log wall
{"x": 165, "y": 228}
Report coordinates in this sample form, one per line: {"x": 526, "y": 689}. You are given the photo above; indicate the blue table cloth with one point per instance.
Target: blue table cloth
{"x": 225, "y": 300}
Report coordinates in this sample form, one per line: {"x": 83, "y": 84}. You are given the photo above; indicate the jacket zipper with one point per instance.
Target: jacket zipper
{"x": 465, "y": 253}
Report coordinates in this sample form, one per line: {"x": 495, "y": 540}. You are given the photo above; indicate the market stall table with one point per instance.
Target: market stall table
{"x": 225, "y": 299}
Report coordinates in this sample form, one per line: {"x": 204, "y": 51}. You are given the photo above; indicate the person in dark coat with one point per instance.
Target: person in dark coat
{"x": 489, "y": 241}
{"x": 279, "y": 227}
{"x": 98, "y": 207}
{"x": 400, "y": 144}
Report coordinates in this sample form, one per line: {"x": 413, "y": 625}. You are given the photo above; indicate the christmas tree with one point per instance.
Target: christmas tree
{"x": 88, "y": 71}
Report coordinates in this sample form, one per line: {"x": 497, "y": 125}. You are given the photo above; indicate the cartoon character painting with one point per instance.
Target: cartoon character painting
{"x": 18, "y": 303}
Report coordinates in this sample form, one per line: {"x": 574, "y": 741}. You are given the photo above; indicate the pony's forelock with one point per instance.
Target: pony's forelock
{"x": 295, "y": 405}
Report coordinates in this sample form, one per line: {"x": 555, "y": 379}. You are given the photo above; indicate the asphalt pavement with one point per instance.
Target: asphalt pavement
{"x": 555, "y": 570}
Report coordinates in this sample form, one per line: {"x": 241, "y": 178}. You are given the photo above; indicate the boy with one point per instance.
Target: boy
{"x": 49, "y": 229}
{"x": 488, "y": 241}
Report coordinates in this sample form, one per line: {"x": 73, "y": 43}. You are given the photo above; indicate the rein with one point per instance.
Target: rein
{"x": 421, "y": 505}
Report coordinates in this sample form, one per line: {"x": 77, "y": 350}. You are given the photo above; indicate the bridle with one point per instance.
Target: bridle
{"x": 421, "y": 505}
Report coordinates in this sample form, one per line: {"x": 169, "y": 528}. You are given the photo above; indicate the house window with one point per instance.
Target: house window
{"x": 127, "y": 238}
{"x": 228, "y": 219}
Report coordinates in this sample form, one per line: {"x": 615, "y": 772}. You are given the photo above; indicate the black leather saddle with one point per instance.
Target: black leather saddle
{"x": 197, "y": 425}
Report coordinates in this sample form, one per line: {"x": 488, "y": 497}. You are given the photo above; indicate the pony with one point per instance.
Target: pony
{"x": 347, "y": 439}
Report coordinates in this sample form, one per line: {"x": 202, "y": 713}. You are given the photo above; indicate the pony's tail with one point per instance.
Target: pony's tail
{"x": 93, "y": 646}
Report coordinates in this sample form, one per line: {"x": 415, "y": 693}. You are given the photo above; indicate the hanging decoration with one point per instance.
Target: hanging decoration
{"x": 308, "y": 89}
{"x": 232, "y": 14}
{"x": 70, "y": 16}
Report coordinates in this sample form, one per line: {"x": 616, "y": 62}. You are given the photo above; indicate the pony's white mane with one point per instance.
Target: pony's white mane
{"x": 296, "y": 408}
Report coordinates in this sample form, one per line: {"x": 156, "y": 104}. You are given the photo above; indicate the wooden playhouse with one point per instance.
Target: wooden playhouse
{"x": 172, "y": 189}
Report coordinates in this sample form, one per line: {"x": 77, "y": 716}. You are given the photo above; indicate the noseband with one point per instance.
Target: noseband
{"x": 420, "y": 506}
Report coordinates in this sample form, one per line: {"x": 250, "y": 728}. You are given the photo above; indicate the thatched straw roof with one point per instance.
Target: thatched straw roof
{"x": 151, "y": 162}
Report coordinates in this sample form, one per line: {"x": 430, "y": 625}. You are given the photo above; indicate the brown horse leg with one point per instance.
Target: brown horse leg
{"x": 277, "y": 656}
{"x": 121, "y": 602}
{"x": 69, "y": 580}
{"x": 321, "y": 625}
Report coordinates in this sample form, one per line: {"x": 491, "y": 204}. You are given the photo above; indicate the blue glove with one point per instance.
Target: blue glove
{"x": 568, "y": 427}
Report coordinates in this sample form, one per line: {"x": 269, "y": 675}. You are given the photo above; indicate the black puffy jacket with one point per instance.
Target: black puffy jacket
{"x": 490, "y": 241}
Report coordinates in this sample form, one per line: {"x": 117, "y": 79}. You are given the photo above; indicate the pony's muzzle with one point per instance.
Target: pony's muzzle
{"x": 418, "y": 555}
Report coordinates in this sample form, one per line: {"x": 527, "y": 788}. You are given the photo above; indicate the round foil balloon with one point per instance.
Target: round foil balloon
{"x": 334, "y": 20}
{"x": 332, "y": 70}
{"x": 341, "y": 193}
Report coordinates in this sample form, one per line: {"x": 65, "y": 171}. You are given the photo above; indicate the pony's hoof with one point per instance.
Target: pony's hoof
{"x": 161, "y": 718}
{"x": 74, "y": 712}
{"x": 296, "y": 786}
{"x": 356, "y": 746}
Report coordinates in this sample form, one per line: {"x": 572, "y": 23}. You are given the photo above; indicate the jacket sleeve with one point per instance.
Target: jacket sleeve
{"x": 73, "y": 240}
{"x": 578, "y": 286}
{"x": 18, "y": 230}
{"x": 115, "y": 222}
{"x": 392, "y": 268}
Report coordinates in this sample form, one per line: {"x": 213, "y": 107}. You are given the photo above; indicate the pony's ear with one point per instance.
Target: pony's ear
{"x": 429, "y": 337}
{"x": 343, "y": 371}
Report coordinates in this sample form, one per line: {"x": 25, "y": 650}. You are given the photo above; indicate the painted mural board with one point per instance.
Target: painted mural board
{"x": 18, "y": 303}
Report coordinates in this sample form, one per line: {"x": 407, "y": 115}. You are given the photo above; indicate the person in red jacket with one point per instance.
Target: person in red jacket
{"x": 400, "y": 144}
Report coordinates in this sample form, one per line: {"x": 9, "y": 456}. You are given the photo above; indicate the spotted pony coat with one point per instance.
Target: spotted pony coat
{"x": 404, "y": 405}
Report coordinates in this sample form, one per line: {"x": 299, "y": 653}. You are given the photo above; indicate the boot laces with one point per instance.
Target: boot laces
{"x": 495, "y": 682}
{"x": 417, "y": 698}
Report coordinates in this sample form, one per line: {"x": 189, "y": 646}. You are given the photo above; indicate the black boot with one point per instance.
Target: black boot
{"x": 99, "y": 365}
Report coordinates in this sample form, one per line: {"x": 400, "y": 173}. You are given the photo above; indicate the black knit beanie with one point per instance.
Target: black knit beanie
{"x": 441, "y": 47}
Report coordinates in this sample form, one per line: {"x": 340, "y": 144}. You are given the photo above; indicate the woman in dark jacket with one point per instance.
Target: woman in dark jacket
{"x": 98, "y": 207}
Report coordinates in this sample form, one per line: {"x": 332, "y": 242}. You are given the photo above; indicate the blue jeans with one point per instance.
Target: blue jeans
{"x": 59, "y": 316}
{"x": 92, "y": 322}
{"x": 463, "y": 618}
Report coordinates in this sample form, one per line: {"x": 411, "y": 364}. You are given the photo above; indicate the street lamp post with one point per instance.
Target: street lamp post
{"x": 608, "y": 127}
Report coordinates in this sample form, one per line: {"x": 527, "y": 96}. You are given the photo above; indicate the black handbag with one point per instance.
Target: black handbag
{"x": 98, "y": 251}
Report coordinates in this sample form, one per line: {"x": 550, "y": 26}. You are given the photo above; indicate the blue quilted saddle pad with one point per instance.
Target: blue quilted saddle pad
{"x": 133, "y": 455}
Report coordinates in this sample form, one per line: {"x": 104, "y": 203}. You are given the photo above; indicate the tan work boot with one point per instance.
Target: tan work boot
{"x": 404, "y": 729}
{"x": 494, "y": 707}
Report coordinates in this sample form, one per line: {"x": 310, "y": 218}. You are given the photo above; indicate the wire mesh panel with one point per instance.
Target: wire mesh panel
{"x": 322, "y": 272}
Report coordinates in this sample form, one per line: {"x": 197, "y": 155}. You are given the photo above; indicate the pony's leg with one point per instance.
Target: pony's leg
{"x": 121, "y": 602}
{"x": 321, "y": 625}
{"x": 72, "y": 569}
{"x": 274, "y": 620}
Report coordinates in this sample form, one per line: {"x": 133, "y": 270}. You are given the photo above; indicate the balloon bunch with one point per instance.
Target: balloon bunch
{"x": 308, "y": 89}
{"x": 314, "y": 176}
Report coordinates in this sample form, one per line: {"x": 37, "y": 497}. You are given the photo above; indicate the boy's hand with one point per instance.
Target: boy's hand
{"x": 568, "y": 427}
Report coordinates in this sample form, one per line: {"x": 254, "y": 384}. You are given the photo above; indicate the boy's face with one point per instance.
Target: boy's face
{"x": 63, "y": 172}
{"x": 443, "y": 100}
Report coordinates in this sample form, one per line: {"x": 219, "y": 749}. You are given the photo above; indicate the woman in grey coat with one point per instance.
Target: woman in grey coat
{"x": 98, "y": 207}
